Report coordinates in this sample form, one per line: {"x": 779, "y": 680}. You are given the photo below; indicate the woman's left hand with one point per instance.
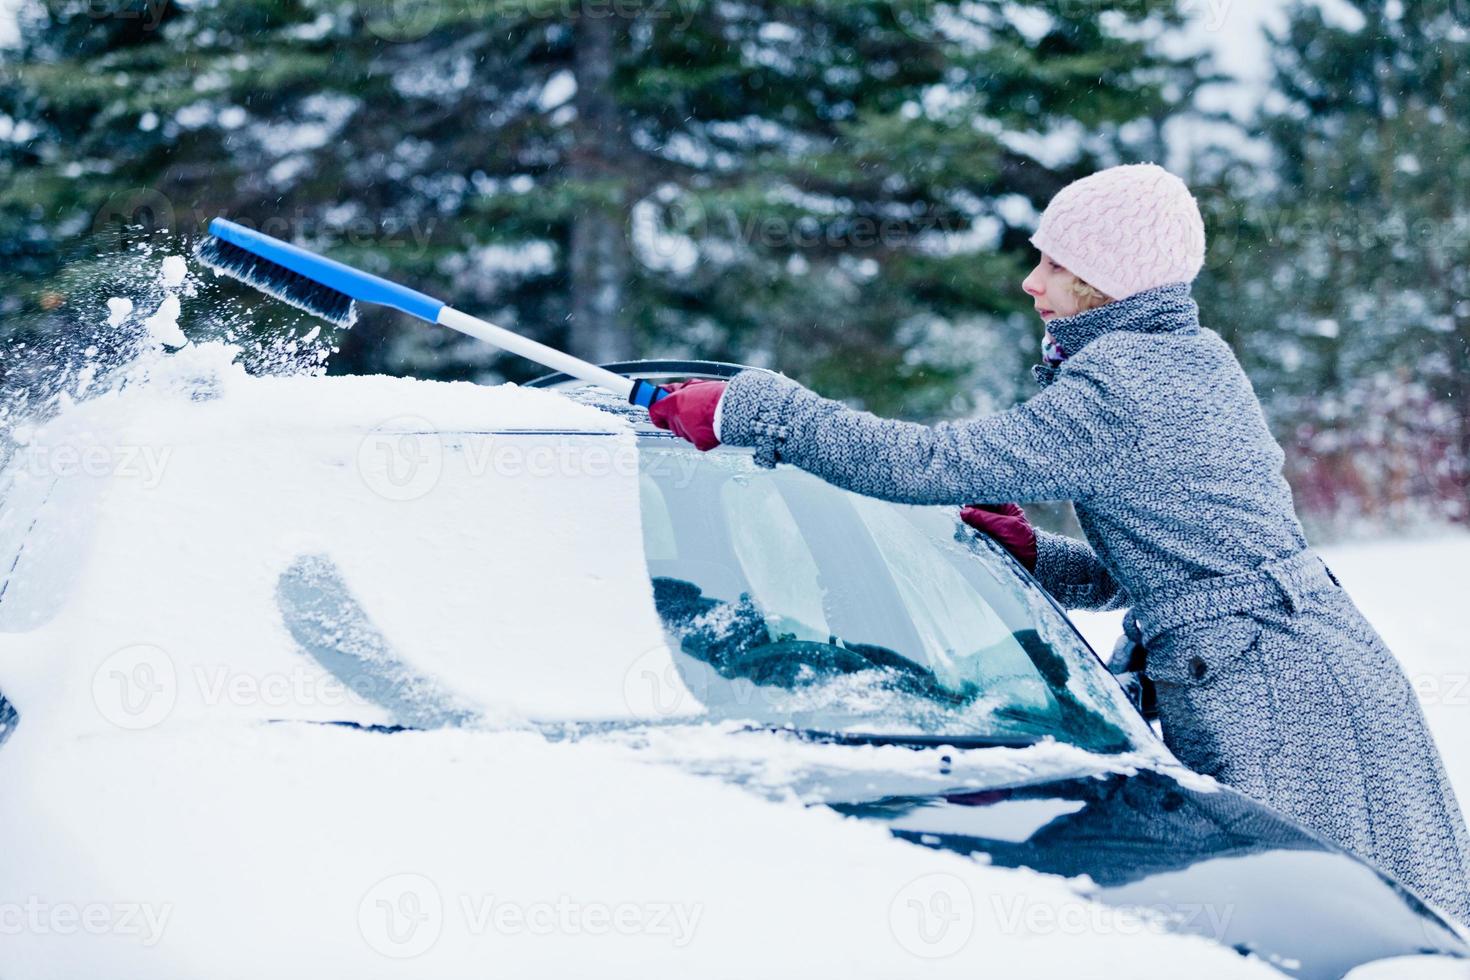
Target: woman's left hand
{"x": 689, "y": 411}
{"x": 1007, "y": 524}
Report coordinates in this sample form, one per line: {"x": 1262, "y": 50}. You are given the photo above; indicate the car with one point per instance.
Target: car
{"x": 332, "y": 673}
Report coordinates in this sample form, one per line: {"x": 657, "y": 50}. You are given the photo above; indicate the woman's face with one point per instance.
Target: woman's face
{"x": 1049, "y": 286}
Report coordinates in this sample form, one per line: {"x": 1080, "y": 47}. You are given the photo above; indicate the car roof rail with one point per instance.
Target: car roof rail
{"x": 650, "y": 370}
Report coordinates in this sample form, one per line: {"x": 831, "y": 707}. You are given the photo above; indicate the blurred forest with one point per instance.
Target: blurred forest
{"x": 840, "y": 190}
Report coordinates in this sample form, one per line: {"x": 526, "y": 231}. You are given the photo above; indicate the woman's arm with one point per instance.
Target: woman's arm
{"x": 1062, "y": 444}
{"x": 1071, "y": 571}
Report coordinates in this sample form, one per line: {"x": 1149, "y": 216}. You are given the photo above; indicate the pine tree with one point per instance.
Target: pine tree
{"x": 839, "y": 189}
{"x": 1365, "y": 259}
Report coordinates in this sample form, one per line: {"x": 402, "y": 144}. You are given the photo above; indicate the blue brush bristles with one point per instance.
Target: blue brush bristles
{"x": 277, "y": 280}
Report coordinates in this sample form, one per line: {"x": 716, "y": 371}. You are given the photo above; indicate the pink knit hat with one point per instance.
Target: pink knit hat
{"x": 1125, "y": 229}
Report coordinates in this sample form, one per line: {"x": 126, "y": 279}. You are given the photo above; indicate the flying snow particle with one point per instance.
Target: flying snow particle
{"x": 118, "y": 309}
{"x": 174, "y": 271}
{"x": 85, "y": 377}
{"x": 163, "y": 325}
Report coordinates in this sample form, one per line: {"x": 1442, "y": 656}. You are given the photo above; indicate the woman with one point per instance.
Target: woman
{"x": 1267, "y": 676}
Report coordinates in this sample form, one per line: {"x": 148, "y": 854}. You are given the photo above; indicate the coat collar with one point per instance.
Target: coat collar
{"x": 1162, "y": 309}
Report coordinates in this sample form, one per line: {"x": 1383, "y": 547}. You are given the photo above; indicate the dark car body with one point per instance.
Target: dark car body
{"x": 1207, "y": 861}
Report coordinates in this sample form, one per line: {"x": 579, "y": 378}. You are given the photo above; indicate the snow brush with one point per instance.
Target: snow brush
{"x": 331, "y": 290}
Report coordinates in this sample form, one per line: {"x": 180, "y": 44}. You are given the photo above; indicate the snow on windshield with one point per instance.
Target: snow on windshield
{"x": 181, "y": 539}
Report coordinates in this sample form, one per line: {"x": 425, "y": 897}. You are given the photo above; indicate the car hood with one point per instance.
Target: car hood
{"x": 1206, "y": 859}
{"x": 297, "y": 850}
{"x": 1144, "y": 832}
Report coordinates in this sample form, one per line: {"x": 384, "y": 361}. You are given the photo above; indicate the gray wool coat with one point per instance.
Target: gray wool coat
{"x": 1267, "y": 675}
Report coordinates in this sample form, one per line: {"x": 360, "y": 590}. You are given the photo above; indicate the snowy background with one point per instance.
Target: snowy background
{"x": 841, "y": 191}
{"x": 700, "y": 182}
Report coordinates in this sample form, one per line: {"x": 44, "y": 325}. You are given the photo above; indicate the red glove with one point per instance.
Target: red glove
{"x": 689, "y": 412}
{"x": 1007, "y": 524}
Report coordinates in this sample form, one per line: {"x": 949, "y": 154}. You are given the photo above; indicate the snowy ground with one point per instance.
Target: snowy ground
{"x": 1410, "y": 590}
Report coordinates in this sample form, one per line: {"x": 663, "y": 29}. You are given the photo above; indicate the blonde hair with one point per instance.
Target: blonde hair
{"x": 1088, "y": 296}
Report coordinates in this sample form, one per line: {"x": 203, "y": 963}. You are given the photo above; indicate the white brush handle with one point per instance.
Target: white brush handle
{"x": 540, "y": 353}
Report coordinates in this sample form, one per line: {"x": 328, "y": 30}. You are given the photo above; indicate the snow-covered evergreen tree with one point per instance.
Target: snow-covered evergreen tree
{"x": 842, "y": 189}
{"x": 1352, "y": 299}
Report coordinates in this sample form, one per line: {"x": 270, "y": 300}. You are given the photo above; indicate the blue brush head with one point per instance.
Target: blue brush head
{"x": 319, "y": 285}
{"x": 278, "y": 281}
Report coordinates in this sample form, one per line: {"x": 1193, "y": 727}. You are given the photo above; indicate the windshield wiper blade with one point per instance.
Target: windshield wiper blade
{"x": 330, "y": 626}
{"x": 992, "y": 741}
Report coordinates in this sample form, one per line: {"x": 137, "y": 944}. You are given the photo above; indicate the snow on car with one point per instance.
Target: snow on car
{"x": 380, "y": 678}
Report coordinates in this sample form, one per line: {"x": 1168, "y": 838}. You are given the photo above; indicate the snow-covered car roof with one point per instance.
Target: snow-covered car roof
{"x": 146, "y": 531}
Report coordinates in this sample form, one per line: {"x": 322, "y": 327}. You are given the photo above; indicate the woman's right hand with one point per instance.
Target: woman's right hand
{"x": 1007, "y": 524}
{"x": 688, "y": 410}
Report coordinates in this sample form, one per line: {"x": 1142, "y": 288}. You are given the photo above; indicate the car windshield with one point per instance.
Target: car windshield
{"x": 780, "y": 600}
{"x": 791, "y": 602}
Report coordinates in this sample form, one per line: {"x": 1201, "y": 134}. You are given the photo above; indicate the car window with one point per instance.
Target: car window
{"x": 963, "y": 639}
{"x": 774, "y": 558}
{"x": 789, "y": 601}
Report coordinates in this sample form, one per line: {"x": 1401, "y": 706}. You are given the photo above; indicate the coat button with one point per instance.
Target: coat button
{"x": 1198, "y": 668}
